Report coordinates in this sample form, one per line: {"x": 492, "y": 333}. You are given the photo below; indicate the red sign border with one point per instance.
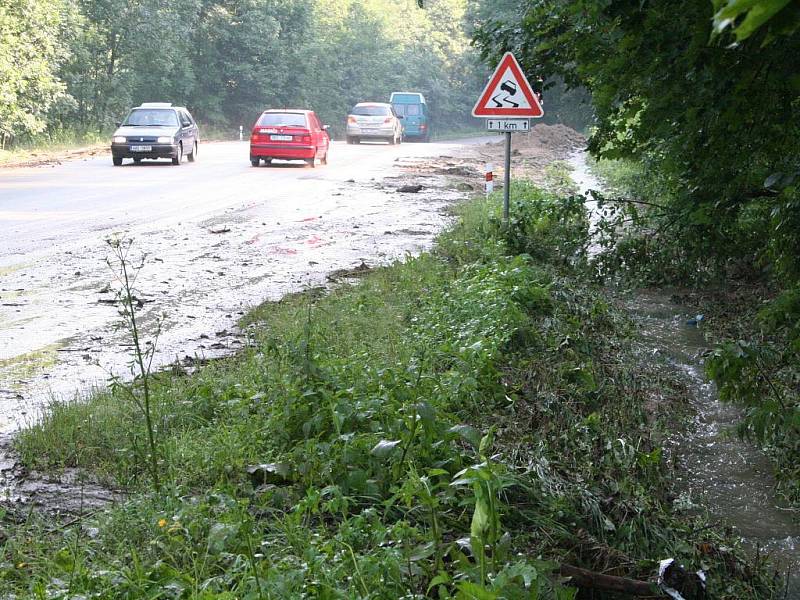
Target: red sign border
{"x": 482, "y": 110}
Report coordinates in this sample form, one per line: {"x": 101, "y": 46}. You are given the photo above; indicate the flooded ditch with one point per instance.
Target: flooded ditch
{"x": 728, "y": 479}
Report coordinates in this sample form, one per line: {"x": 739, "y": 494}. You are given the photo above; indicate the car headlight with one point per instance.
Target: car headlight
{"x": 119, "y": 139}
{"x": 164, "y": 140}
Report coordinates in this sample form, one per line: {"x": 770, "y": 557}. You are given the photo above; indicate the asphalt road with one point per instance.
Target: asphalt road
{"x": 217, "y": 237}
{"x": 63, "y": 203}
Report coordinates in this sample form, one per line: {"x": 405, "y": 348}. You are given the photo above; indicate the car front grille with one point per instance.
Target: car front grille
{"x": 138, "y": 139}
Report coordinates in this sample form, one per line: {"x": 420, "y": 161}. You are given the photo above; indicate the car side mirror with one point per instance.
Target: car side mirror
{"x": 118, "y": 123}
{"x": 401, "y": 117}
{"x": 326, "y": 127}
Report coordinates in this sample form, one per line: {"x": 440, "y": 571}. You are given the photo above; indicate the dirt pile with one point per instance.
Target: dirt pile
{"x": 546, "y": 141}
{"x": 556, "y": 138}
{"x": 531, "y": 153}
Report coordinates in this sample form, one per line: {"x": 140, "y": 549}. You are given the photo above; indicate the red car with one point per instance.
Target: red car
{"x": 289, "y": 134}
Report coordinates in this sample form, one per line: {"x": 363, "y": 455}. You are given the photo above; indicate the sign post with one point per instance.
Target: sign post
{"x": 508, "y": 102}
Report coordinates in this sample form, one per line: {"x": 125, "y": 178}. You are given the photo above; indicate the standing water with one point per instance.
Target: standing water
{"x": 729, "y": 478}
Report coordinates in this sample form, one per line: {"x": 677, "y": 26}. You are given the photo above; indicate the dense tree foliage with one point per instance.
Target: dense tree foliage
{"x": 710, "y": 120}
{"x": 228, "y": 59}
{"x": 30, "y": 48}
{"x": 703, "y": 98}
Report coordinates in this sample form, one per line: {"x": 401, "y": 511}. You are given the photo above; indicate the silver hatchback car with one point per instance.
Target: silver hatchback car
{"x": 374, "y": 121}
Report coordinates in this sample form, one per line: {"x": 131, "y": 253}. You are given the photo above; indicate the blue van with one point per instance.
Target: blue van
{"x": 413, "y": 110}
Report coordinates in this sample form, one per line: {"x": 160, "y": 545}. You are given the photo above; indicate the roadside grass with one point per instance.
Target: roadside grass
{"x": 61, "y": 143}
{"x": 457, "y": 425}
{"x": 54, "y": 144}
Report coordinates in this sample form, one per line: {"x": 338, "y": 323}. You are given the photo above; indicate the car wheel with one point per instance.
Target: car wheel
{"x": 117, "y": 160}
{"x": 349, "y": 139}
{"x": 193, "y": 155}
{"x": 393, "y": 140}
{"x": 312, "y": 161}
{"x": 178, "y": 155}
{"x": 324, "y": 159}
{"x": 356, "y": 140}
{"x": 254, "y": 160}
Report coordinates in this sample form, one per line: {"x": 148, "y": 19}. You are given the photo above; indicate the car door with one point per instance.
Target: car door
{"x": 193, "y": 128}
{"x": 187, "y": 136}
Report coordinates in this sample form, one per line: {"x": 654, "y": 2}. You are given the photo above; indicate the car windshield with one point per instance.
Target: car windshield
{"x": 371, "y": 111}
{"x": 151, "y": 117}
{"x": 286, "y": 119}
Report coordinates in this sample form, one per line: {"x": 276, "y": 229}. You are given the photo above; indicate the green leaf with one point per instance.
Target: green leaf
{"x": 528, "y": 574}
{"x": 472, "y": 591}
{"x": 480, "y": 518}
{"x": 757, "y": 13}
{"x": 440, "y": 579}
{"x": 773, "y": 180}
{"x": 486, "y": 443}
{"x": 220, "y": 536}
{"x": 468, "y": 433}
{"x": 426, "y": 413}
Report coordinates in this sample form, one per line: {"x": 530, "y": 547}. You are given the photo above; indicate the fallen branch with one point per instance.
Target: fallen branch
{"x": 583, "y": 578}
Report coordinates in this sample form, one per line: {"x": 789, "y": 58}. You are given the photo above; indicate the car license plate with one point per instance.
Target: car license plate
{"x": 141, "y": 148}
{"x": 281, "y": 138}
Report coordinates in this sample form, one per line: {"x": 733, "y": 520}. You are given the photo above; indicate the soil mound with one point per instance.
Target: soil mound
{"x": 548, "y": 140}
{"x": 555, "y": 137}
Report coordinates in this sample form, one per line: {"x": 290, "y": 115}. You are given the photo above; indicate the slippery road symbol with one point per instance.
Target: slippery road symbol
{"x": 510, "y": 88}
{"x": 508, "y": 93}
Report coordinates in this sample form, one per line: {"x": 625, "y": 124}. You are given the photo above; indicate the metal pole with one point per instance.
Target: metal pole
{"x": 507, "y": 183}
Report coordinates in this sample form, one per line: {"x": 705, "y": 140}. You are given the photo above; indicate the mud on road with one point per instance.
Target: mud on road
{"x": 58, "y": 310}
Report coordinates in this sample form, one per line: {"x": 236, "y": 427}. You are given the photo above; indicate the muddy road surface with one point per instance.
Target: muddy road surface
{"x": 218, "y": 237}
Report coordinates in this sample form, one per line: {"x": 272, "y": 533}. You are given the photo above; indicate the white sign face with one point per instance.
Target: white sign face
{"x": 507, "y": 94}
{"x": 508, "y": 124}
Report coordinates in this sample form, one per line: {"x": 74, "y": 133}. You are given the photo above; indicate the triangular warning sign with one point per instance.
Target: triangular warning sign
{"x": 508, "y": 93}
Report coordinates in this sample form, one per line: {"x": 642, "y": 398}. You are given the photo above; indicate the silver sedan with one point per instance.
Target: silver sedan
{"x": 373, "y": 121}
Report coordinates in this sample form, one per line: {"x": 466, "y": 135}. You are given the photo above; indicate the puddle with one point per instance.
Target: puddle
{"x": 25, "y": 366}
{"x": 65, "y": 495}
{"x": 731, "y": 480}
